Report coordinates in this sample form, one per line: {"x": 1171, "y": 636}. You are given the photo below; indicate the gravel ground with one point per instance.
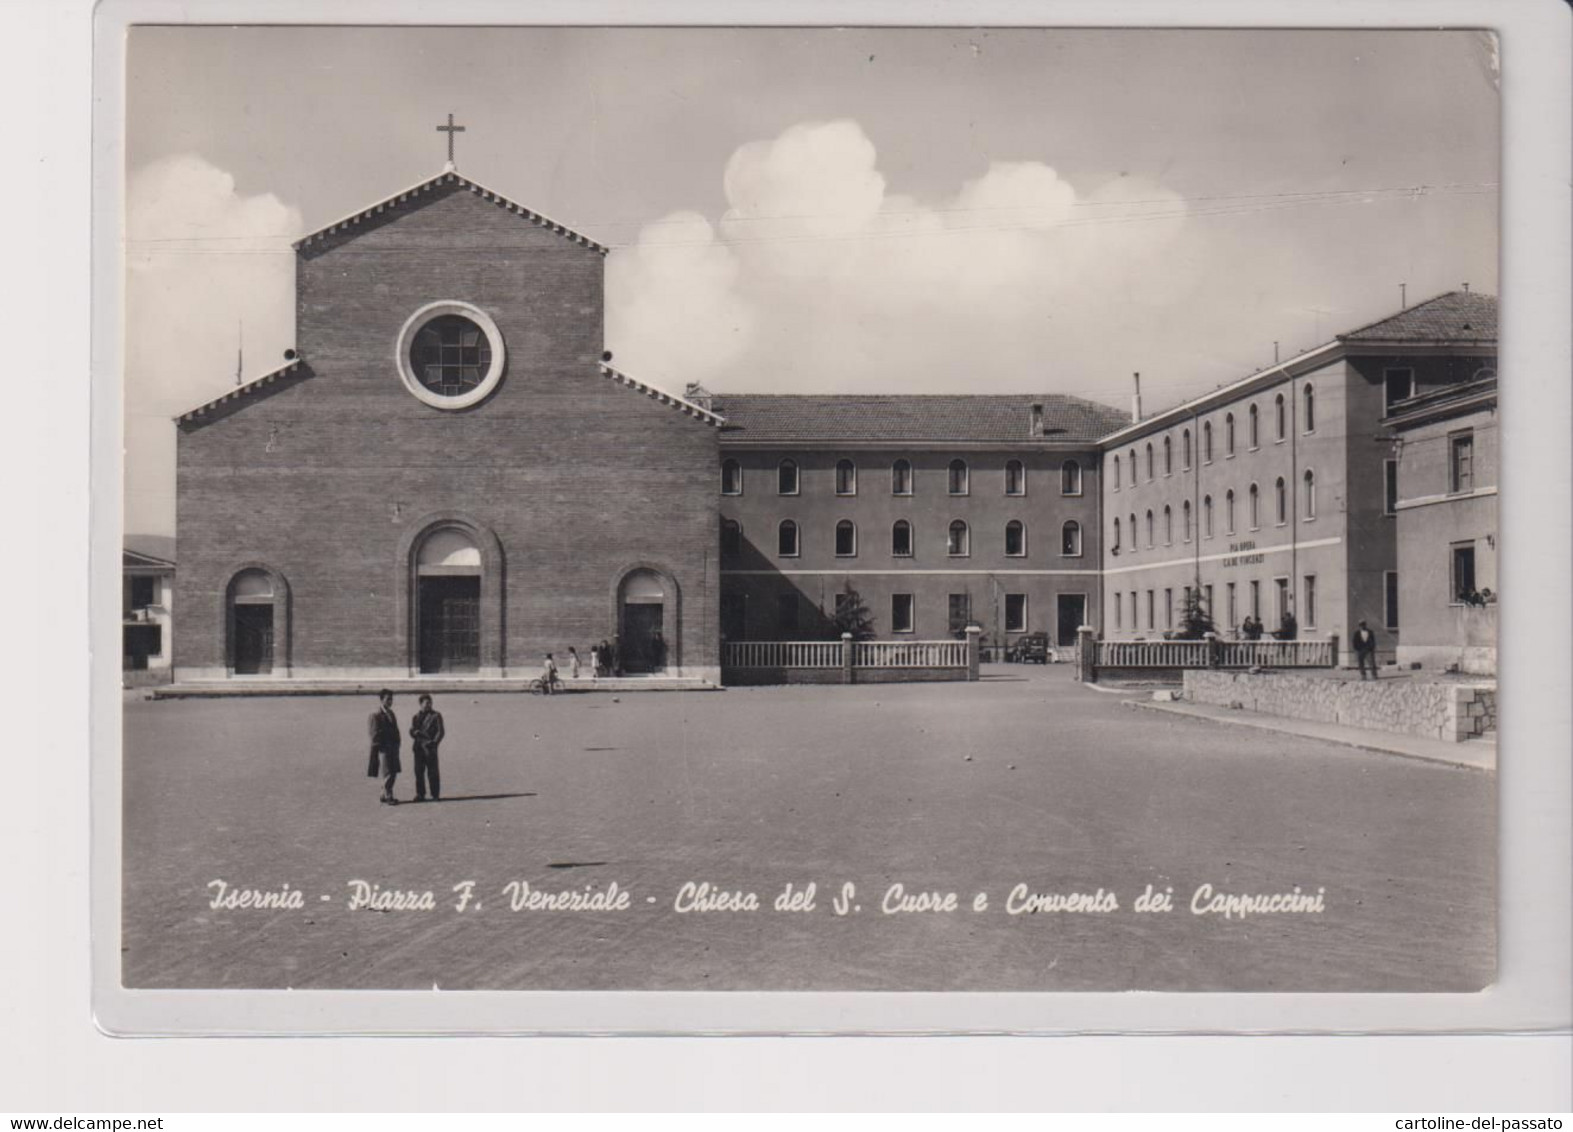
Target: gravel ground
{"x": 1024, "y": 778}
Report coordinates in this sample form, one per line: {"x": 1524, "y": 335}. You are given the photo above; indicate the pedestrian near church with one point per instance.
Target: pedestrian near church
{"x": 1365, "y": 651}
{"x": 549, "y": 675}
{"x": 428, "y": 732}
{"x": 383, "y": 726}
{"x": 595, "y": 661}
{"x": 573, "y": 662}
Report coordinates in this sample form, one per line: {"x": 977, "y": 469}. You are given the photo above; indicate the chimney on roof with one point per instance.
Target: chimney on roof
{"x": 1037, "y": 419}
{"x": 1466, "y": 288}
{"x": 699, "y": 395}
{"x": 1136, "y": 398}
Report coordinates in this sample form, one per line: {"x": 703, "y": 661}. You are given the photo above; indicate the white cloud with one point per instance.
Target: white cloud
{"x": 829, "y": 280}
{"x": 203, "y": 261}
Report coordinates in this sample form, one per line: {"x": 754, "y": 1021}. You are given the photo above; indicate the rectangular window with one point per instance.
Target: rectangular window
{"x": 901, "y": 613}
{"x": 1152, "y": 620}
{"x": 1234, "y": 609}
{"x": 1463, "y": 571}
{"x": 1308, "y": 600}
{"x": 1461, "y": 462}
{"x": 1207, "y": 600}
{"x": 786, "y": 615}
{"x": 1168, "y": 608}
{"x": 1281, "y": 598}
{"x": 1396, "y": 385}
{"x": 901, "y": 478}
{"x": 142, "y": 591}
{"x": 1119, "y": 609}
{"x": 1389, "y": 487}
{"x": 1015, "y": 613}
{"x": 1256, "y": 600}
{"x": 901, "y": 539}
{"x": 846, "y": 478}
{"x": 1390, "y": 598}
{"x": 960, "y": 614}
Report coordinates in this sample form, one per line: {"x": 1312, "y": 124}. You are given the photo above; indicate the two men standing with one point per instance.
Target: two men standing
{"x": 427, "y": 731}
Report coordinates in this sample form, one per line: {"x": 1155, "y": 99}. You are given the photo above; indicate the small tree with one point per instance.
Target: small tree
{"x": 1195, "y": 619}
{"x": 852, "y": 615}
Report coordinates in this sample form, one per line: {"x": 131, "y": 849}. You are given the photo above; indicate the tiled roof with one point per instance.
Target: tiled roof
{"x": 448, "y": 177}
{"x": 151, "y": 546}
{"x": 1458, "y": 316}
{"x": 914, "y": 418}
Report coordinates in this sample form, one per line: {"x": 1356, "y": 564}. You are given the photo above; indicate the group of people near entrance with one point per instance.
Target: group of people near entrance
{"x": 426, "y": 730}
{"x": 1252, "y": 629}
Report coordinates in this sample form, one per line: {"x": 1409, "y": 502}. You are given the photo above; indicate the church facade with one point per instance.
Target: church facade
{"x": 447, "y": 479}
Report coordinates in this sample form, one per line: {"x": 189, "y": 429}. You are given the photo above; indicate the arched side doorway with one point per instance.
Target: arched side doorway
{"x": 448, "y": 602}
{"x": 256, "y": 622}
{"x": 647, "y": 622}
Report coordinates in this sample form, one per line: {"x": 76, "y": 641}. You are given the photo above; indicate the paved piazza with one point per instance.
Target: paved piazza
{"x": 1025, "y": 778}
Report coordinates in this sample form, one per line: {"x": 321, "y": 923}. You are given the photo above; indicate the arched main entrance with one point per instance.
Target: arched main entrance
{"x": 251, "y": 623}
{"x": 642, "y": 601}
{"x": 448, "y": 602}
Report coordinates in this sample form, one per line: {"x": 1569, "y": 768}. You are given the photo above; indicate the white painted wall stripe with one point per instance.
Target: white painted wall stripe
{"x": 1278, "y": 549}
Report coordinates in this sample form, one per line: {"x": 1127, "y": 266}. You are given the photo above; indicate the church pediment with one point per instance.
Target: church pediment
{"x": 421, "y": 195}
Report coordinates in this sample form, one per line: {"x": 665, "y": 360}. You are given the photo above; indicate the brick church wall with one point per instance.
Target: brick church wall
{"x": 329, "y": 480}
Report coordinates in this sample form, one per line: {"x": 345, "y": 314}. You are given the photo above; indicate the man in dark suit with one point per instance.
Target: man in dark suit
{"x": 384, "y": 729}
{"x": 427, "y": 731}
{"x": 1365, "y": 651}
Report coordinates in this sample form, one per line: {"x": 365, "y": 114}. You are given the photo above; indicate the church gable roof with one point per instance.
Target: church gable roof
{"x": 242, "y": 394}
{"x": 655, "y": 393}
{"x": 424, "y": 193}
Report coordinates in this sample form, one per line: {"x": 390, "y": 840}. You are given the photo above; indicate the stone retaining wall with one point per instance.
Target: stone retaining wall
{"x": 1447, "y": 711}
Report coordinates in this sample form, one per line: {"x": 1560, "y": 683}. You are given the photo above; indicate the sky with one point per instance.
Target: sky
{"x": 820, "y": 210}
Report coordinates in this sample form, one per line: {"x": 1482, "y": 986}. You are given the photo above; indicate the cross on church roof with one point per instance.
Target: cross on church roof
{"x": 450, "y": 129}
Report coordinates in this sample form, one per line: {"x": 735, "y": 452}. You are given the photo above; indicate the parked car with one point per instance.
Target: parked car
{"x": 1034, "y": 648}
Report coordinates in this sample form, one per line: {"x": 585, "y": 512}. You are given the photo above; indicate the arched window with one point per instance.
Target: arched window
{"x": 1255, "y": 427}
{"x": 1015, "y": 539}
{"x": 1310, "y": 494}
{"x": 253, "y": 623}
{"x": 1116, "y": 472}
{"x": 1116, "y": 547}
{"x": 731, "y": 538}
{"x": 1207, "y": 516}
{"x": 1185, "y": 449}
{"x": 1228, "y": 512}
{"x": 1135, "y": 539}
{"x": 1070, "y": 539}
{"x": 901, "y": 539}
{"x": 1185, "y": 526}
{"x": 1280, "y": 418}
{"x": 1280, "y": 502}
{"x": 901, "y": 477}
{"x": 1309, "y": 396}
{"x": 786, "y": 539}
{"x": 1070, "y": 478}
{"x": 1015, "y": 478}
{"x": 846, "y": 539}
{"x": 1149, "y": 530}
{"x": 1207, "y": 442}
{"x": 731, "y": 477}
{"x": 846, "y": 477}
{"x": 1133, "y": 467}
{"x": 958, "y": 477}
{"x": 1228, "y": 434}
{"x": 786, "y": 477}
{"x": 1168, "y": 456}
{"x": 1256, "y": 507}
{"x": 1168, "y": 526}
{"x": 958, "y": 544}
{"x": 1149, "y": 462}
